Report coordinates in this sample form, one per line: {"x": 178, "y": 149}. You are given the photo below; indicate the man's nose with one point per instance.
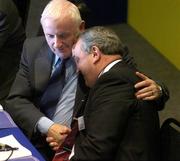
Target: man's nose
{"x": 57, "y": 42}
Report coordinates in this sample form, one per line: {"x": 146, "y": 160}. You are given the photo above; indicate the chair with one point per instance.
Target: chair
{"x": 170, "y": 140}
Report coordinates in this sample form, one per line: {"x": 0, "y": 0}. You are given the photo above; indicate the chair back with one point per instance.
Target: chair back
{"x": 170, "y": 140}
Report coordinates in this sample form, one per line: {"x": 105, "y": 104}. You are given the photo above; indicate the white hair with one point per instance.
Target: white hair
{"x": 57, "y": 9}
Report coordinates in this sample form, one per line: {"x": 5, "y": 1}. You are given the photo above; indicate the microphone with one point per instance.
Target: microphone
{"x": 5, "y": 147}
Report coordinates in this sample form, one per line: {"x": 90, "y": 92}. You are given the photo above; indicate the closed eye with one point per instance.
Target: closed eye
{"x": 50, "y": 36}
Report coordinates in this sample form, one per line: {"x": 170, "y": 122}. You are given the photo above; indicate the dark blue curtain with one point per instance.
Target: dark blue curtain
{"x": 104, "y": 12}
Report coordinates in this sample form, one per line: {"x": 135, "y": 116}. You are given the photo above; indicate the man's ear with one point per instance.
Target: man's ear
{"x": 96, "y": 54}
{"x": 82, "y": 26}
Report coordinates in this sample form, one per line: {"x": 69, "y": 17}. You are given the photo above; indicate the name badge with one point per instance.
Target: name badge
{"x": 81, "y": 124}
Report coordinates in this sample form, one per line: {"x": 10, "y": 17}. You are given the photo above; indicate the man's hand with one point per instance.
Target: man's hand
{"x": 56, "y": 135}
{"x": 147, "y": 89}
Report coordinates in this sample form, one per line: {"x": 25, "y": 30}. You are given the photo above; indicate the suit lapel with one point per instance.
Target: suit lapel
{"x": 42, "y": 69}
{"x": 81, "y": 97}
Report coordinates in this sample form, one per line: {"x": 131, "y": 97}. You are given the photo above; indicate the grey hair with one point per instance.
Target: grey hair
{"x": 105, "y": 39}
{"x": 56, "y": 9}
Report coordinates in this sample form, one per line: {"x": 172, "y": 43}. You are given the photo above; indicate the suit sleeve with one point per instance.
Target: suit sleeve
{"x": 3, "y": 29}
{"x": 19, "y": 102}
{"x": 128, "y": 59}
{"x": 164, "y": 97}
{"x": 106, "y": 116}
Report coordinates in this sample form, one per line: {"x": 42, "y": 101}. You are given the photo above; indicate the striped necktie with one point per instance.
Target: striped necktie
{"x": 54, "y": 89}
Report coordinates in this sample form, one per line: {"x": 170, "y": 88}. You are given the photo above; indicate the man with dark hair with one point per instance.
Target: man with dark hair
{"x": 113, "y": 124}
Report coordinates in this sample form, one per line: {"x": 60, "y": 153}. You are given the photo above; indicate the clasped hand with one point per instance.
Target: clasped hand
{"x": 56, "y": 135}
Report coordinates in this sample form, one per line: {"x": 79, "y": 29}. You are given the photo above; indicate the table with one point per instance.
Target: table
{"x": 8, "y": 127}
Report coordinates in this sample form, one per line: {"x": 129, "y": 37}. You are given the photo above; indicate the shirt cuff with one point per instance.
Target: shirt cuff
{"x": 44, "y": 124}
{"x": 160, "y": 91}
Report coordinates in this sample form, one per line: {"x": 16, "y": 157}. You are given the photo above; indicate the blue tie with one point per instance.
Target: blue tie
{"x": 54, "y": 89}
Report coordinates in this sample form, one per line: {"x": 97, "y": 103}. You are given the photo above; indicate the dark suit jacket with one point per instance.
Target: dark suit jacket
{"x": 117, "y": 125}
{"x": 12, "y": 36}
{"x": 30, "y": 82}
{"x": 23, "y": 101}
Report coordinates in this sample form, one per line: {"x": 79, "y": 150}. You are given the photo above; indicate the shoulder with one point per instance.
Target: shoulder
{"x": 118, "y": 82}
{"x": 35, "y": 43}
{"x": 121, "y": 72}
{"x": 34, "y": 46}
{"x": 8, "y": 7}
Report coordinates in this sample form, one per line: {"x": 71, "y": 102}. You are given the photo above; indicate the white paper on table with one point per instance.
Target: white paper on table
{"x": 11, "y": 141}
{"x": 1, "y": 107}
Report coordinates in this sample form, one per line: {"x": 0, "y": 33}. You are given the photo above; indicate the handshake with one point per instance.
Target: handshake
{"x": 56, "y": 135}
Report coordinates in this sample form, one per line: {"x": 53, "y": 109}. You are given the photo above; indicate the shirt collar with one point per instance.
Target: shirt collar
{"x": 55, "y": 60}
{"x": 109, "y": 66}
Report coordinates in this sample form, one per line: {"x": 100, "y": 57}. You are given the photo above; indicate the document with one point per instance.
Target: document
{"x": 1, "y": 107}
{"x": 6, "y": 120}
{"x": 18, "y": 152}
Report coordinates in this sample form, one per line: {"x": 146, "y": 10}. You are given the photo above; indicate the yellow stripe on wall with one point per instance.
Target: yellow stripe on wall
{"x": 158, "y": 21}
